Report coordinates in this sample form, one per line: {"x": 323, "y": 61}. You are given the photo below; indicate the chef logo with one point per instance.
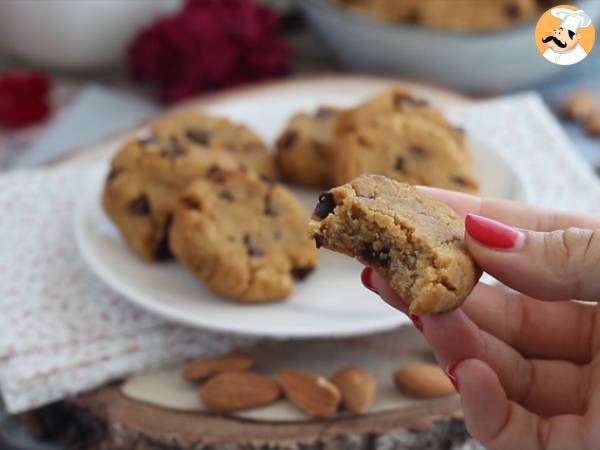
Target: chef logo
{"x": 564, "y": 35}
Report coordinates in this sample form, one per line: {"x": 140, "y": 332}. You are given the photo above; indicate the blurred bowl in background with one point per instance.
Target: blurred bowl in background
{"x": 483, "y": 62}
{"x": 75, "y": 34}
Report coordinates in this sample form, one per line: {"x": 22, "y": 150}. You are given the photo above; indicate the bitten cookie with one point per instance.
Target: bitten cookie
{"x": 245, "y": 237}
{"x": 480, "y": 15}
{"x": 410, "y": 239}
{"x": 304, "y": 153}
{"x": 406, "y": 148}
{"x": 148, "y": 174}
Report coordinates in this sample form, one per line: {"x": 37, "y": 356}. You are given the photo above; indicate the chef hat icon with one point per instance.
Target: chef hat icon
{"x": 571, "y": 20}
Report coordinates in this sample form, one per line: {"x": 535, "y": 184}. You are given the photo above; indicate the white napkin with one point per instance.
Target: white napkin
{"x": 62, "y": 331}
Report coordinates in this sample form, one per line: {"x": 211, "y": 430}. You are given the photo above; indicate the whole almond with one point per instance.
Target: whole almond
{"x": 233, "y": 391}
{"x": 203, "y": 368}
{"x": 423, "y": 380}
{"x": 357, "y": 386}
{"x": 313, "y": 394}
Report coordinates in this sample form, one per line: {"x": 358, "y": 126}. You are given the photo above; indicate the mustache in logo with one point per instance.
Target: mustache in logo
{"x": 555, "y": 40}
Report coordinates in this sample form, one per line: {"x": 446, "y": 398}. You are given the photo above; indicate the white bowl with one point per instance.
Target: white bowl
{"x": 473, "y": 62}
{"x": 71, "y": 34}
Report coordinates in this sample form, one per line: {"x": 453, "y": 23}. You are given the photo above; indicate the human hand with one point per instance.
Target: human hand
{"x": 526, "y": 364}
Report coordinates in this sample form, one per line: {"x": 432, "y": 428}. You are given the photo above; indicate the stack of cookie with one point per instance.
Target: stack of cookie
{"x": 456, "y": 15}
{"x": 395, "y": 134}
{"x": 202, "y": 189}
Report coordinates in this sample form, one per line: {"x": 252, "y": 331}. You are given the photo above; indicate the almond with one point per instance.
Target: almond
{"x": 423, "y": 380}
{"x": 203, "y": 368}
{"x": 357, "y": 386}
{"x": 232, "y": 391}
{"x": 311, "y": 393}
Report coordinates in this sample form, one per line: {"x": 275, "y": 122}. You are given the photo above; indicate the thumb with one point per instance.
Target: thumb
{"x": 557, "y": 265}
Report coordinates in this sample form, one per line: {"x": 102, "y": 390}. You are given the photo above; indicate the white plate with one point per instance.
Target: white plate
{"x": 331, "y": 302}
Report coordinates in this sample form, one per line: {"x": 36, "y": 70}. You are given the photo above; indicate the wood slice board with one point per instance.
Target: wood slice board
{"x": 105, "y": 419}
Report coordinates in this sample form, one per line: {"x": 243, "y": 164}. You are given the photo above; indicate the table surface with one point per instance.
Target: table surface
{"x": 311, "y": 56}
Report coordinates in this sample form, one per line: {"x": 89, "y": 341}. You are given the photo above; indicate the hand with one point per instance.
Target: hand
{"x": 526, "y": 363}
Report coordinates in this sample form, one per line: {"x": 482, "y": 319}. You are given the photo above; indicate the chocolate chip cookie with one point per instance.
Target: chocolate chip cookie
{"x": 398, "y": 100}
{"x": 408, "y": 148}
{"x": 410, "y": 239}
{"x": 148, "y": 174}
{"x": 245, "y": 237}
{"x": 480, "y": 15}
{"x": 304, "y": 153}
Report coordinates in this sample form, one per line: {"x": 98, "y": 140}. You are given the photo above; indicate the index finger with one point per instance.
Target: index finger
{"x": 520, "y": 215}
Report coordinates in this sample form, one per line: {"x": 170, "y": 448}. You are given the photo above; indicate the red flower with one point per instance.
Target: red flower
{"x": 209, "y": 44}
{"x": 24, "y": 97}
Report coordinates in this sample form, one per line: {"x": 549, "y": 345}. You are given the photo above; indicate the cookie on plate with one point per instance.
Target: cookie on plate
{"x": 245, "y": 237}
{"x": 145, "y": 179}
{"x": 304, "y": 154}
{"x": 480, "y": 15}
{"x": 148, "y": 174}
{"x": 398, "y": 100}
{"x": 410, "y": 239}
{"x": 407, "y": 148}
{"x": 195, "y": 128}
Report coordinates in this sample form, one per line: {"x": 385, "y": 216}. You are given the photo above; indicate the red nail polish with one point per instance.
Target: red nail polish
{"x": 493, "y": 234}
{"x": 417, "y": 321}
{"x": 365, "y": 277}
{"x": 451, "y": 374}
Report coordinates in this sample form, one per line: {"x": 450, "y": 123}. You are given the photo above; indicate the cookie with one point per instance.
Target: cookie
{"x": 398, "y": 100}
{"x": 406, "y": 148}
{"x": 304, "y": 154}
{"x": 148, "y": 174}
{"x": 195, "y": 128}
{"x": 410, "y": 239}
{"x": 480, "y": 15}
{"x": 387, "y": 10}
{"x": 245, "y": 237}
{"x": 143, "y": 184}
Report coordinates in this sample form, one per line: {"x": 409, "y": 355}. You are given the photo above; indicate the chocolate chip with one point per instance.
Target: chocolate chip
{"x": 140, "y": 206}
{"x": 417, "y": 151}
{"x": 512, "y": 11}
{"x": 323, "y": 112}
{"x": 267, "y": 179}
{"x": 460, "y": 181}
{"x": 190, "y": 202}
{"x": 363, "y": 141}
{"x": 320, "y": 151}
{"x": 243, "y": 167}
{"x": 460, "y": 130}
{"x": 199, "y": 136}
{"x": 147, "y": 140}
{"x": 380, "y": 258}
{"x": 226, "y": 195}
{"x": 173, "y": 149}
{"x": 114, "y": 172}
{"x": 277, "y": 235}
{"x": 269, "y": 209}
{"x": 252, "y": 246}
{"x": 231, "y": 147}
{"x": 300, "y": 273}
{"x": 320, "y": 240}
{"x": 288, "y": 139}
{"x": 215, "y": 173}
{"x": 253, "y": 147}
{"x": 325, "y": 206}
{"x": 400, "y": 100}
{"x": 399, "y": 166}
{"x": 163, "y": 251}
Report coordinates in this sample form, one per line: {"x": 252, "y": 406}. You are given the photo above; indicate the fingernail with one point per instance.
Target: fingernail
{"x": 417, "y": 321}
{"x": 365, "y": 277}
{"x": 494, "y": 234}
{"x": 451, "y": 374}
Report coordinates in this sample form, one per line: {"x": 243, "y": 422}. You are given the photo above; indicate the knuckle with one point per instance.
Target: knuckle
{"x": 570, "y": 252}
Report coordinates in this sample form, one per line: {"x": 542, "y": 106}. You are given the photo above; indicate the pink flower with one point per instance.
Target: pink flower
{"x": 209, "y": 44}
